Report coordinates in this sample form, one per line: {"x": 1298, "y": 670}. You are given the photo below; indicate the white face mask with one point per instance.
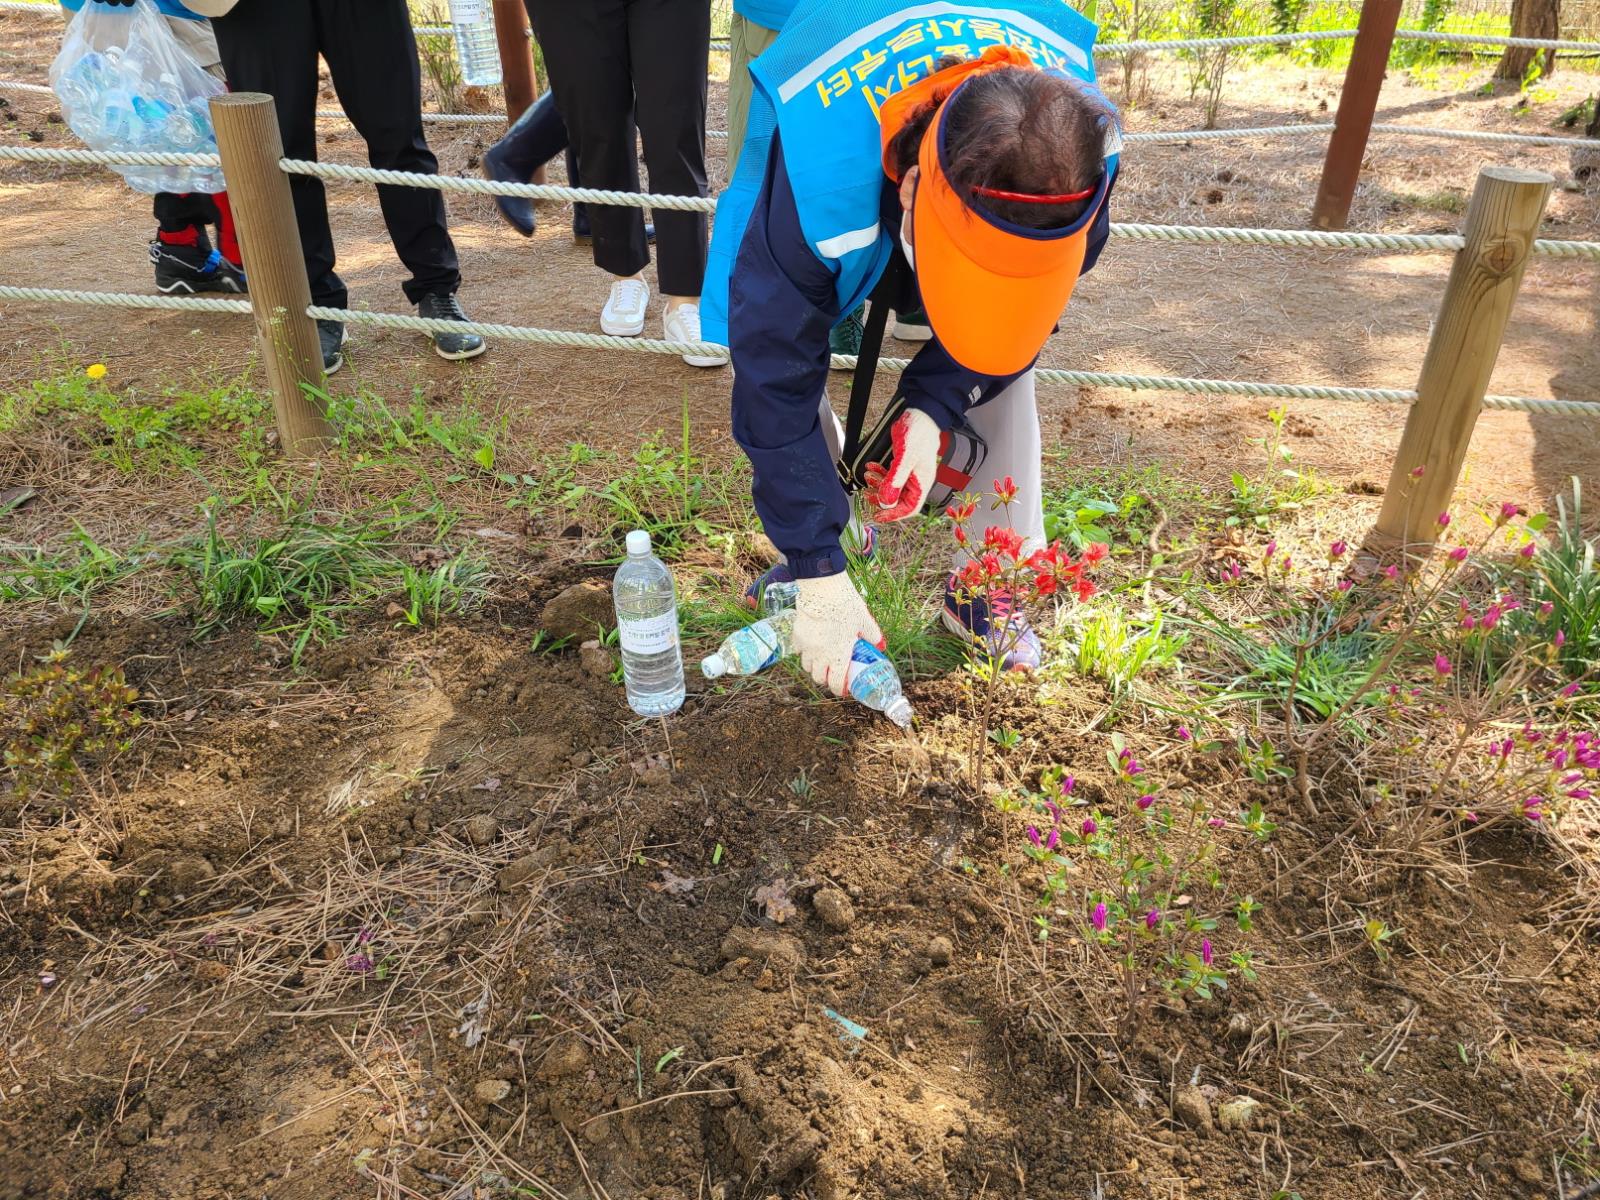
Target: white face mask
{"x": 905, "y": 240}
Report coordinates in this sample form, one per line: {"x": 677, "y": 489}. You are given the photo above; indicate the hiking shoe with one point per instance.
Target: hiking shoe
{"x": 912, "y": 326}
{"x": 453, "y": 346}
{"x": 331, "y": 336}
{"x": 845, "y": 337}
{"x": 783, "y": 577}
{"x": 995, "y": 624}
{"x": 682, "y": 324}
{"x": 623, "y": 314}
{"x": 185, "y": 270}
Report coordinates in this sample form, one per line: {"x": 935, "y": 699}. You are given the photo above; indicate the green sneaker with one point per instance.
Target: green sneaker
{"x": 845, "y": 337}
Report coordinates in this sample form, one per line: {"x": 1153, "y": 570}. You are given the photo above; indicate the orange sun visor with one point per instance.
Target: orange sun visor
{"x": 993, "y": 290}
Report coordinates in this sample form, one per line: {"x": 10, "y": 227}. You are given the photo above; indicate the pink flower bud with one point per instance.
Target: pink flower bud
{"x": 1391, "y": 572}
{"x": 1152, "y": 918}
{"x": 1444, "y": 520}
{"x": 1528, "y": 551}
{"x": 1459, "y": 554}
{"x": 1144, "y": 802}
{"x": 1205, "y": 951}
{"x": 1560, "y": 639}
{"x": 1337, "y": 550}
{"x": 1272, "y": 548}
{"x": 1089, "y": 826}
{"x": 1099, "y": 918}
{"x": 1441, "y": 664}
{"x": 1416, "y": 472}
{"x": 1508, "y": 510}
{"x": 1183, "y": 733}
{"x": 1547, "y": 608}
{"x": 1344, "y": 585}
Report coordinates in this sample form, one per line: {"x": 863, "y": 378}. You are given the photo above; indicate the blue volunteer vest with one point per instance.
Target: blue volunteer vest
{"x": 820, "y": 85}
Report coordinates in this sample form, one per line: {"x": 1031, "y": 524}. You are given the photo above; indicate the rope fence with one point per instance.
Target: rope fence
{"x": 1309, "y": 239}
{"x": 599, "y": 341}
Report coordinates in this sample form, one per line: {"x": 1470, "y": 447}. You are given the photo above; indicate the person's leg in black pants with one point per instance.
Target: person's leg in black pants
{"x": 271, "y": 46}
{"x": 668, "y": 42}
{"x": 372, "y": 57}
{"x": 586, "y": 51}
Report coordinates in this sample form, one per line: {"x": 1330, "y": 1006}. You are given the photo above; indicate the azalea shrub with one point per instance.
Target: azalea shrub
{"x": 1140, "y": 877}
{"x": 1001, "y": 574}
{"x": 1450, "y": 678}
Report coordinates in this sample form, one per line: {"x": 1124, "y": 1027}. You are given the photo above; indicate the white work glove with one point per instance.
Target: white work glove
{"x": 829, "y": 615}
{"x": 901, "y": 489}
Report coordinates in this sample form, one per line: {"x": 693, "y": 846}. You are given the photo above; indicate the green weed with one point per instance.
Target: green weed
{"x": 373, "y": 431}
{"x": 1118, "y": 649}
{"x": 74, "y": 574}
{"x": 1565, "y": 576}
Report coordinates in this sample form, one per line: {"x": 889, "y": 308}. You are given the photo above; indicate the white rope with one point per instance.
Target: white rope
{"x": 1489, "y": 39}
{"x": 570, "y": 338}
{"x": 1135, "y": 231}
{"x": 1165, "y": 45}
{"x": 483, "y": 187}
{"x": 9, "y": 85}
{"x": 124, "y": 300}
{"x": 431, "y": 118}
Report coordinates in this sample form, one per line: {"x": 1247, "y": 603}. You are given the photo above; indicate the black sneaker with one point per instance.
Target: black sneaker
{"x": 331, "y": 336}
{"x": 454, "y": 346}
{"x": 845, "y": 337}
{"x": 185, "y": 270}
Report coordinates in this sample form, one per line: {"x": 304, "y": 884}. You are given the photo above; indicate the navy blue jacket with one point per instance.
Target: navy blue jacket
{"x": 781, "y": 307}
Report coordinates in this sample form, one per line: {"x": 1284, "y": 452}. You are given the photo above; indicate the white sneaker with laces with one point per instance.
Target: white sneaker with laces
{"x": 682, "y": 324}
{"x": 623, "y": 315}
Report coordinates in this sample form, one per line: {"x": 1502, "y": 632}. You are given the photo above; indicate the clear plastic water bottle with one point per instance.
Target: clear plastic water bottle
{"x": 472, "y": 22}
{"x": 647, "y": 628}
{"x": 779, "y": 595}
{"x": 875, "y": 683}
{"x": 753, "y": 648}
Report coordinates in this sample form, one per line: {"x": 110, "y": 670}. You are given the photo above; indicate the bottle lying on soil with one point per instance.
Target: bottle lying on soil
{"x": 753, "y": 648}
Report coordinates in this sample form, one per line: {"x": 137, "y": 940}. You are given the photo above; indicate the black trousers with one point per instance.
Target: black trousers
{"x": 613, "y": 62}
{"x": 272, "y": 46}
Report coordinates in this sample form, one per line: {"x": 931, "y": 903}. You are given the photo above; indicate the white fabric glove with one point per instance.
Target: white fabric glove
{"x": 901, "y": 489}
{"x": 829, "y": 615}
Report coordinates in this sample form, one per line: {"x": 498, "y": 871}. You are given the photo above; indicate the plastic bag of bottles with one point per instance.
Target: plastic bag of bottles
{"x": 126, "y": 83}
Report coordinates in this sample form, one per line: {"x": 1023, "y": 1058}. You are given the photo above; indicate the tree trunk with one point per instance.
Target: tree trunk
{"x": 1594, "y": 121}
{"x": 1530, "y": 19}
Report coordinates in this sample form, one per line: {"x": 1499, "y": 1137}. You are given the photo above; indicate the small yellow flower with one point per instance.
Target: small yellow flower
{"x": 95, "y": 371}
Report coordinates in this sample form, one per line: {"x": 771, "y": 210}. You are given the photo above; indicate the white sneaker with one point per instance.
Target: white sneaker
{"x": 623, "y": 315}
{"x": 682, "y": 324}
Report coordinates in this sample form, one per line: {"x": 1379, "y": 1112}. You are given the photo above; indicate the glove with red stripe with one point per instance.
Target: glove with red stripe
{"x": 900, "y": 489}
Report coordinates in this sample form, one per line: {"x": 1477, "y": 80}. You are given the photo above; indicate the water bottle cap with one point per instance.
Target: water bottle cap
{"x": 713, "y": 666}
{"x": 638, "y": 542}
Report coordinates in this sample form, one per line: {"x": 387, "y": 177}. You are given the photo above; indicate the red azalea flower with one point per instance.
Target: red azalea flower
{"x": 1094, "y": 552}
{"x": 1085, "y": 588}
{"x": 1005, "y": 490}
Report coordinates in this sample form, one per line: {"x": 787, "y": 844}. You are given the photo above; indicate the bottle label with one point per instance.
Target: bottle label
{"x": 469, "y": 12}
{"x": 649, "y": 635}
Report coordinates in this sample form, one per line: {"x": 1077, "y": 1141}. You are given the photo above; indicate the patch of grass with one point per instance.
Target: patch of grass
{"x": 556, "y": 482}
{"x": 1110, "y": 645}
{"x": 373, "y": 431}
{"x": 903, "y": 584}
{"x": 1567, "y": 577}
{"x": 304, "y": 579}
{"x": 144, "y": 435}
{"x": 668, "y": 492}
{"x": 72, "y": 574}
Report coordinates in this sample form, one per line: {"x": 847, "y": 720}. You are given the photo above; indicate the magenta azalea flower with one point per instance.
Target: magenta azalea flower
{"x": 1098, "y": 919}
{"x": 1205, "y": 951}
{"x": 1089, "y": 826}
{"x": 1441, "y": 664}
{"x": 1144, "y": 802}
{"x": 1152, "y": 918}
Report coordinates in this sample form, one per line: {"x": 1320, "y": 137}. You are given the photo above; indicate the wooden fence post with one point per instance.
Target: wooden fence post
{"x": 1358, "y": 100}
{"x": 251, "y": 145}
{"x": 516, "y": 56}
{"x": 1501, "y": 224}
